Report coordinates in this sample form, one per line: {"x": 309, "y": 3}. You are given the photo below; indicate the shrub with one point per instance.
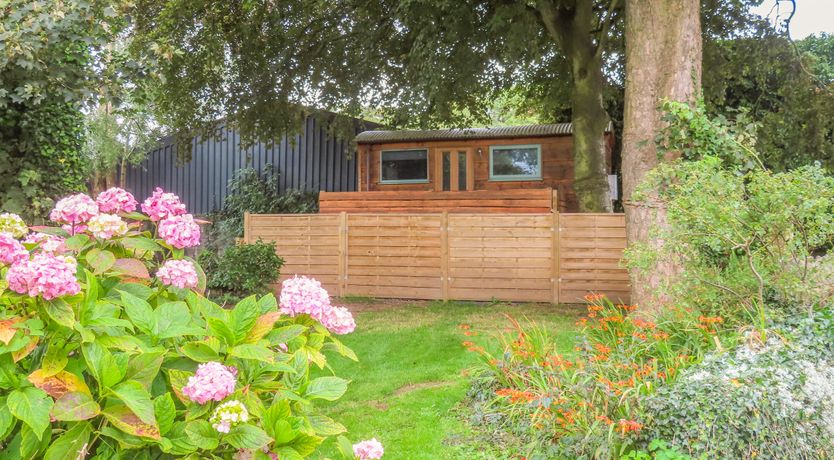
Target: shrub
{"x": 257, "y": 193}
{"x": 100, "y": 359}
{"x": 772, "y": 400}
{"x": 242, "y": 269}
{"x": 744, "y": 237}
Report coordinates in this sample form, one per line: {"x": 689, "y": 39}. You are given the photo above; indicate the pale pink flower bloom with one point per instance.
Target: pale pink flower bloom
{"x": 212, "y": 382}
{"x": 46, "y": 242}
{"x": 178, "y": 273}
{"x": 74, "y": 229}
{"x": 106, "y": 226}
{"x": 180, "y": 231}
{"x": 74, "y": 209}
{"x": 116, "y": 200}
{"x": 368, "y": 450}
{"x": 45, "y": 274}
{"x": 338, "y": 320}
{"x": 302, "y": 295}
{"x": 11, "y": 250}
{"x": 161, "y": 205}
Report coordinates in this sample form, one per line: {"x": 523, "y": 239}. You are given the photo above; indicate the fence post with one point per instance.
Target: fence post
{"x": 557, "y": 241}
{"x": 444, "y": 255}
{"x": 343, "y": 257}
{"x": 247, "y": 232}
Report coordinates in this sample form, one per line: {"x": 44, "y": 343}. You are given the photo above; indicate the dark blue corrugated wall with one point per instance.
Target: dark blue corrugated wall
{"x": 313, "y": 161}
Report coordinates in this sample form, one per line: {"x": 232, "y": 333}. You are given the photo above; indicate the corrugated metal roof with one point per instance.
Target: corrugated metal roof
{"x": 379, "y": 137}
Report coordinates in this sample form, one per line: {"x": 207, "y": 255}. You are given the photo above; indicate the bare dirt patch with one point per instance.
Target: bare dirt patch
{"x": 420, "y": 386}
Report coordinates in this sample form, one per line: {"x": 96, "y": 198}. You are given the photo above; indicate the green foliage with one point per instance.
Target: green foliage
{"x": 116, "y": 139}
{"x": 257, "y": 193}
{"x": 821, "y": 50}
{"x": 744, "y": 237}
{"x": 769, "y": 400}
{"x": 769, "y": 81}
{"x": 100, "y": 374}
{"x": 657, "y": 450}
{"x": 47, "y": 59}
{"x": 241, "y": 270}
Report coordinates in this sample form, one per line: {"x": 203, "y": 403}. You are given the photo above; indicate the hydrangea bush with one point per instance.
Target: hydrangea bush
{"x": 108, "y": 348}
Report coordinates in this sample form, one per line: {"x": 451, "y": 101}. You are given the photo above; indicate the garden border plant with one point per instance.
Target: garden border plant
{"x": 100, "y": 359}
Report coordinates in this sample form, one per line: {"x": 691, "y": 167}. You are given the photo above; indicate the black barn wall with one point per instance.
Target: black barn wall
{"x": 315, "y": 161}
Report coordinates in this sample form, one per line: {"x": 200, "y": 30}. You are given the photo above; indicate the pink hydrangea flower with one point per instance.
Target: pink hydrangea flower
{"x": 178, "y": 273}
{"x": 338, "y": 320}
{"x": 161, "y": 205}
{"x": 46, "y": 243}
{"x": 45, "y": 274}
{"x": 115, "y": 200}
{"x": 180, "y": 231}
{"x": 368, "y": 450}
{"x": 11, "y": 251}
{"x": 228, "y": 415}
{"x": 74, "y": 209}
{"x": 106, "y": 226}
{"x": 74, "y": 229}
{"x": 302, "y": 295}
{"x": 212, "y": 382}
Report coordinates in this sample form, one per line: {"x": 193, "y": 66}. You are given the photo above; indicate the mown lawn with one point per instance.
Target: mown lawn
{"x": 412, "y": 373}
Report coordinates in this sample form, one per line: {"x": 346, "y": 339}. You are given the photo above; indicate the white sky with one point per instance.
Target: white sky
{"x": 812, "y": 16}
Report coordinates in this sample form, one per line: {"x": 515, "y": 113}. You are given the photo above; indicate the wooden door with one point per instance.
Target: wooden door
{"x": 455, "y": 169}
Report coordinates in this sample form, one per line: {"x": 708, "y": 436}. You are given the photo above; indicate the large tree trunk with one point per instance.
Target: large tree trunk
{"x": 663, "y": 61}
{"x": 572, "y": 28}
{"x": 590, "y": 178}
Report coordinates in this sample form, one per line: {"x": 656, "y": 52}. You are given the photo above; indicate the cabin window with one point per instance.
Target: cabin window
{"x": 404, "y": 166}
{"x": 515, "y": 162}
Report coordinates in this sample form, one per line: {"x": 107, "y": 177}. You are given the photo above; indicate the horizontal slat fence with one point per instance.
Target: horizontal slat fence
{"x": 544, "y": 257}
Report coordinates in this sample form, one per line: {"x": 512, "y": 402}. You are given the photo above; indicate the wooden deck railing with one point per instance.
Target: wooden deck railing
{"x": 480, "y": 201}
{"x": 547, "y": 257}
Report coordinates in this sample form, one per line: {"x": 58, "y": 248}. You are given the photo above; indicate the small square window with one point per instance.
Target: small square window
{"x": 404, "y": 166}
{"x": 515, "y": 162}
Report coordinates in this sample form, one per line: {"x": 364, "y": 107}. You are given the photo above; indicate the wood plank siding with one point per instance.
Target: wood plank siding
{"x": 556, "y": 165}
{"x": 492, "y": 201}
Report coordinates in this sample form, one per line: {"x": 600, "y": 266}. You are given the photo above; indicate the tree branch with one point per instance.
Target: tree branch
{"x": 607, "y": 23}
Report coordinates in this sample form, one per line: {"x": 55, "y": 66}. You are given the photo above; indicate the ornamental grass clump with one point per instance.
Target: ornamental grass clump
{"x": 108, "y": 348}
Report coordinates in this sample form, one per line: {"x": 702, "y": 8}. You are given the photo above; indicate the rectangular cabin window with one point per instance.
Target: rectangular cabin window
{"x": 515, "y": 162}
{"x": 404, "y": 166}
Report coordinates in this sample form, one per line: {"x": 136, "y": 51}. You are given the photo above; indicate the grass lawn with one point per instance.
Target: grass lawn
{"x": 412, "y": 372}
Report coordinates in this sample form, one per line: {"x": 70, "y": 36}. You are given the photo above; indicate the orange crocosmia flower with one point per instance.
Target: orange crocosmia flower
{"x": 660, "y": 335}
{"x": 625, "y": 426}
{"x": 643, "y": 324}
{"x": 627, "y": 307}
{"x": 602, "y": 348}
{"x": 594, "y": 297}
{"x": 603, "y": 418}
{"x": 469, "y": 333}
{"x": 467, "y": 344}
{"x": 463, "y": 326}
{"x": 639, "y": 335}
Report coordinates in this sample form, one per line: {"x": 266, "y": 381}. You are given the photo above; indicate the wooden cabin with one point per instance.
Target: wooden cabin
{"x": 507, "y": 169}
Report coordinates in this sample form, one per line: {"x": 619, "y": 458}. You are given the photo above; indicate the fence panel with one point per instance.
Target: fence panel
{"x": 547, "y": 257}
{"x": 501, "y": 257}
{"x": 394, "y": 255}
{"x": 590, "y": 250}
{"x": 308, "y": 243}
